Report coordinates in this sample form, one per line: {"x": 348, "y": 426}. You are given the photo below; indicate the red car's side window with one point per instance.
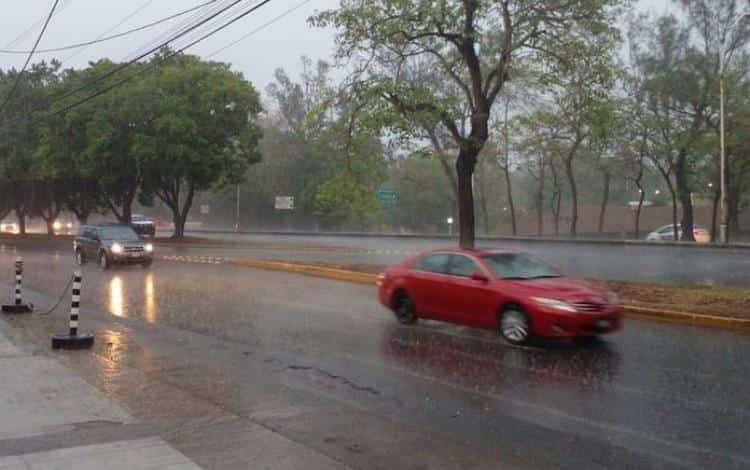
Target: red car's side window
{"x": 437, "y": 263}
{"x": 463, "y": 266}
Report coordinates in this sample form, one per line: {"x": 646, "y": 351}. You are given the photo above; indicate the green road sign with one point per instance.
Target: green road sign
{"x": 387, "y": 197}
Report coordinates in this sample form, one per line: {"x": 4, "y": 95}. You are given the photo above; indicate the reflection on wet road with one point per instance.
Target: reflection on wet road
{"x": 653, "y": 395}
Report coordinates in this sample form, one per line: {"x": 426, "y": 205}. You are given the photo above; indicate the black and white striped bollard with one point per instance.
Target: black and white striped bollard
{"x": 18, "y": 306}
{"x": 74, "y": 340}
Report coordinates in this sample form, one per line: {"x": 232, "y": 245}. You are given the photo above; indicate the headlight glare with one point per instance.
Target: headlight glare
{"x": 554, "y": 304}
{"x": 116, "y": 248}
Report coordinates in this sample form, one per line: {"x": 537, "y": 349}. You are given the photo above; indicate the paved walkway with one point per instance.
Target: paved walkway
{"x": 49, "y": 418}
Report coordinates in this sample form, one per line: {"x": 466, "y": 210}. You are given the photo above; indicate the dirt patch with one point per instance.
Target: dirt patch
{"x": 707, "y": 300}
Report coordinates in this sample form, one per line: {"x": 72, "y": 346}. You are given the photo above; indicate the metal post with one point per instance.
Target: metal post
{"x": 18, "y": 306}
{"x": 73, "y": 339}
{"x": 19, "y": 281}
{"x": 723, "y": 155}
{"x": 75, "y": 303}
{"x": 237, "y": 212}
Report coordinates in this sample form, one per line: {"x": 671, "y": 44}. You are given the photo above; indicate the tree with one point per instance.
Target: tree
{"x": 679, "y": 62}
{"x": 196, "y": 130}
{"x": 472, "y": 44}
{"x": 20, "y": 135}
{"x": 62, "y": 153}
{"x": 110, "y": 137}
{"x": 581, "y": 108}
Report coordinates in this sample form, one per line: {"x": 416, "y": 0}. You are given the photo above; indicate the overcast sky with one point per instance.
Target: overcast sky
{"x": 280, "y": 44}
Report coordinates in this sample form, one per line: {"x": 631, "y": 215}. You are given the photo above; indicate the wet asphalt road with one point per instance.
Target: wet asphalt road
{"x": 322, "y": 363}
{"x": 617, "y": 261}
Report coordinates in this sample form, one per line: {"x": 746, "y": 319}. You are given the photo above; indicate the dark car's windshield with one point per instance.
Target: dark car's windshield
{"x": 518, "y": 266}
{"x": 126, "y": 234}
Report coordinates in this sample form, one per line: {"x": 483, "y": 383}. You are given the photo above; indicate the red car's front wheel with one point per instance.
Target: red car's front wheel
{"x": 515, "y": 326}
{"x": 404, "y": 309}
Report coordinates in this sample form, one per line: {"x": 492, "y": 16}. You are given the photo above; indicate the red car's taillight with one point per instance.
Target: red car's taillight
{"x": 381, "y": 278}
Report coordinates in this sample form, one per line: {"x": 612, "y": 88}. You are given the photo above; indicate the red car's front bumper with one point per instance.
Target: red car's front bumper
{"x": 567, "y": 325}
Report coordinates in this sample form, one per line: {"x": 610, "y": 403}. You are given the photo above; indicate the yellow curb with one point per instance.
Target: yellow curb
{"x": 319, "y": 271}
{"x": 371, "y": 279}
{"x": 686, "y": 317}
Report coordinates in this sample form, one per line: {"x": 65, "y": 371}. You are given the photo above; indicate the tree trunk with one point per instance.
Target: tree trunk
{"x": 556, "y": 199}
{"x": 641, "y": 197}
{"x": 733, "y": 208}
{"x": 734, "y": 214}
{"x": 573, "y": 197}
{"x": 127, "y": 211}
{"x": 714, "y": 212}
{"x": 179, "y": 225}
{"x": 675, "y": 230}
{"x": 509, "y": 195}
{"x": 83, "y": 216}
{"x": 686, "y": 200}
{"x": 185, "y": 211}
{"x": 21, "y": 216}
{"x": 465, "y": 164}
{"x": 540, "y": 200}
{"x": 483, "y": 200}
{"x": 605, "y": 200}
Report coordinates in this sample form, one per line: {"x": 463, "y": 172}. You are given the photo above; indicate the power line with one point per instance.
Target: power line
{"x": 114, "y": 36}
{"x": 151, "y": 66}
{"x": 120, "y": 23}
{"x": 179, "y": 28}
{"x": 122, "y": 67}
{"x": 18, "y": 38}
{"x": 258, "y": 29}
{"x": 28, "y": 59}
{"x": 215, "y": 22}
{"x": 161, "y": 61}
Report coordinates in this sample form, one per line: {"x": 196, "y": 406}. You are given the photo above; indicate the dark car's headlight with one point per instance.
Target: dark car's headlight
{"x": 148, "y": 247}
{"x": 116, "y": 248}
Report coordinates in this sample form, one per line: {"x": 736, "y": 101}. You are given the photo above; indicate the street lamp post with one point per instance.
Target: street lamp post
{"x": 237, "y": 212}
{"x": 449, "y": 220}
{"x": 723, "y": 156}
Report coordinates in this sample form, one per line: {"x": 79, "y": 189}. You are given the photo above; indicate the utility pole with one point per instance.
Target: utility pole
{"x": 724, "y": 225}
{"x": 237, "y": 212}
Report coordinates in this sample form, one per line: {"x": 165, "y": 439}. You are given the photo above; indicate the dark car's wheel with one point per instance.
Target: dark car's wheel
{"x": 104, "y": 262}
{"x": 514, "y": 325}
{"x": 404, "y": 309}
{"x": 79, "y": 257}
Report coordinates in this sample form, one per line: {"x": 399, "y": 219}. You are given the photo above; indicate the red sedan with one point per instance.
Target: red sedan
{"x": 515, "y": 293}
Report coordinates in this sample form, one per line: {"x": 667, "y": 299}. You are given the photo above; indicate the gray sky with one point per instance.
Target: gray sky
{"x": 278, "y": 45}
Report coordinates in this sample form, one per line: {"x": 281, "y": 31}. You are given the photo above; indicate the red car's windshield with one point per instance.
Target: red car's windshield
{"x": 518, "y": 266}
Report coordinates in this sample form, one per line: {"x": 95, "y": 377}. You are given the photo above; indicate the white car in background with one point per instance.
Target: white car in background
{"x": 666, "y": 233}
{"x": 9, "y": 227}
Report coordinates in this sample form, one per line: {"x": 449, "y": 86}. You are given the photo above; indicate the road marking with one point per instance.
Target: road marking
{"x": 193, "y": 259}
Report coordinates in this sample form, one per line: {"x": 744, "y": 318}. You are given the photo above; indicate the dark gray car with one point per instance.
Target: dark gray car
{"x": 110, "y": 244}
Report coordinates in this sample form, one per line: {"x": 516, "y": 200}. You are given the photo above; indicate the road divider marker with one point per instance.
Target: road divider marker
{"x": 74, "y": 340}
{"x": 18, "y": 306}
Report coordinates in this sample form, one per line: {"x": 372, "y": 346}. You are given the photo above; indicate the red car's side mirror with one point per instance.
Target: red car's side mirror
{"x": 479, "y": 277}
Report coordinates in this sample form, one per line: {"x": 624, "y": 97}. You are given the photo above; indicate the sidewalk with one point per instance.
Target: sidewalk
{"x": 50, "y": 418}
